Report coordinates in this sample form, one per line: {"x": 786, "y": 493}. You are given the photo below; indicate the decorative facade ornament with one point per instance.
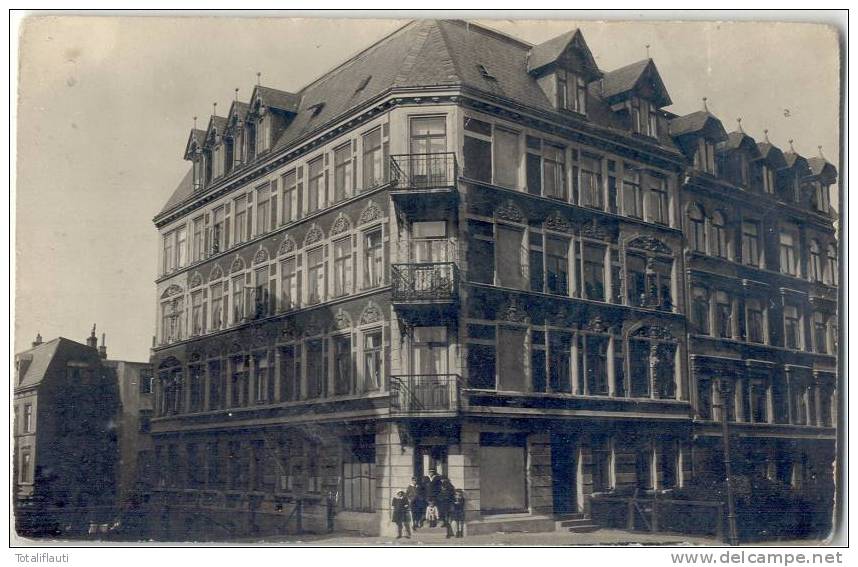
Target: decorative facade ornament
{"x": 216, "y": 273}
{"x": 513, "y": 313}
{"x": 654, "y": 332}
{"x": 595, "y": 231}
{"x": 369, "y": 213}
{"x": 596, "y": 325}
{"x": 287, "y": 246}
{"x": 196, "y": 280}
{"x": 650, "y": 243}
{"x": 509, "y": 211}
{"x": 260, "y": 256}
{"x": 371, "y": 314}
{"x": 341, "y": 224}
{"x": 235, "y": 348}
{"x": 260, "y": 338}
{"x": 342, "y": 320}
{"x": 173, "y": 289}
{"x": 237, "y": 264}
{"x": 555, "y": 221}
{"x": 195, "y": 357}
{"x": 315, "y": 234}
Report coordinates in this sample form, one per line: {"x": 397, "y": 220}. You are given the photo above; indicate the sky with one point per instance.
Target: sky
{"x": 105, "y": 105}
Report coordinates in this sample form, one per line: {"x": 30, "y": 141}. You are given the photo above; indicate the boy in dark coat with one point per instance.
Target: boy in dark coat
{"x": 457, "y": 511}
{"x": 445, "y": 499}
{"x": 401, "y": 516}
{"x": 416, "y": 500}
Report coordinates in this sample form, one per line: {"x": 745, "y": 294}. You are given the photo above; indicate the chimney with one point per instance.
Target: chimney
{"x": 102, "y": 350}
{"x": 38, "y": 340}
{"x": 92, "y": 341}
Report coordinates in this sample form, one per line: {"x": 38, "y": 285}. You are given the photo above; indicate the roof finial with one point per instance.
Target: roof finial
{"x": 705, "y": 108}
{"x": 258, "y": 78}
{"x": 647, "y": 51}
{"x": 766, "y": 135}
{"x": 820, "y": 152}
{"x": 195, "y": 127}
{"x": 214, "y": 109}
{"x": 739, "y": 120}
{"x": 792, "y": 149}
{"x": 236, "y": 94}
{"x": 92, "y": 334}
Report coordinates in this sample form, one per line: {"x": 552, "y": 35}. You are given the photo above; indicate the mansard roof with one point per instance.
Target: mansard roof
{"x": 739, "y": 140}
{"x": 273, "y": 98}
{"x": 217, "y": 125}
{"x": 772, "y": 155}
{"x": 237, "y": 113}
{"x": 621, "y": 82}
{"x": 196, "y": 138}
{"x": 552, "y": 51}
{"x": 822, "y": 168}
{"x": 701, "y": 122}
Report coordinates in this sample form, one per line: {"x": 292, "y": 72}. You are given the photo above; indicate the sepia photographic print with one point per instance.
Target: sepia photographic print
{"x": 433, "y": 279}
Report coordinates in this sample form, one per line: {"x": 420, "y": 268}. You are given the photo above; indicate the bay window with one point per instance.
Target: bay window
{"x": 507, "y": 157}
{"x": 478, "y": 150}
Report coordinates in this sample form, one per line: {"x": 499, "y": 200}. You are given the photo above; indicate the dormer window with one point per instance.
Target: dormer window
{"x": 768, "y": 179}
{"x": 218, "y": 161}
{"x": 704, "y": 156}
{"x": 571, "y": 92}
{"x": 207, "y": 164}
{"x": 644, "y": 117}
{"x": 263, "y": 133}
{"x": 228, "y": 149}
{"x": 820, "y": 197}
{"x": 251, "y": 137}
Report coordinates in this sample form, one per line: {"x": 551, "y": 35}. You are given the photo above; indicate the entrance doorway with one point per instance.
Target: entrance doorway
{"x": 430, "y": 458}
{"x": 563, "y": 473}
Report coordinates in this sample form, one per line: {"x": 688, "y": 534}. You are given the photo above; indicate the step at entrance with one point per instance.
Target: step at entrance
{"x": 575, "y": 523}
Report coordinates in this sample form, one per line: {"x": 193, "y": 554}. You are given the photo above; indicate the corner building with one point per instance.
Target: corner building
{"x": 456, "y": 251}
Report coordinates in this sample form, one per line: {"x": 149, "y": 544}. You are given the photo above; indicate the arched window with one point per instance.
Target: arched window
{"x": 831, "y": 268}
{"x": 697, "y": 228}
{"x": 718, "y": 243}
{"x": 815, "y": 261}
{"x": 652, "y": 363}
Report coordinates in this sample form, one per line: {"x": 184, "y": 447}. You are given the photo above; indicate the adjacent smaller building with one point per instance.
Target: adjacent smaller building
{"x": 80, "y": 421}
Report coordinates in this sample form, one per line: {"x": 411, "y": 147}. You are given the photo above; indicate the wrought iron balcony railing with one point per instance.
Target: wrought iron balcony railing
{"x": 424, "y": 171}
{"x": 424, "y": 393}
{"x": 433, "y": 281}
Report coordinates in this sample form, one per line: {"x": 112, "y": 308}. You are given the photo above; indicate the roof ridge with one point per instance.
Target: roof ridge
{"x": 414, "y": 50}
{"x": 457, "y": 71}
{"x": 491, "y": 31}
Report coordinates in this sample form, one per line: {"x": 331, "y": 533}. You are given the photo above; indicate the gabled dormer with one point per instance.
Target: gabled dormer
{"x": 697, "y": 135}
{"x": 563, "y": 66}
{"x": 213, "y": 154}
{"x": 233, "y": 136}
{"x": 269, "y": 113}
{"x": 194, "y": 154}
{"x": 822, "y": 176}
{"x": 765, "y": 169}
{"x": 735, "y": 156}
{"x": 637, "y": 92}
{"x": 790, "y": 178}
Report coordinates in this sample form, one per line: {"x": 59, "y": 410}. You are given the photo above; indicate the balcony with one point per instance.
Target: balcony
{"x": 424, "y": 183}
{"x": 420, "y": 395}
{"x": 433, "y": 283}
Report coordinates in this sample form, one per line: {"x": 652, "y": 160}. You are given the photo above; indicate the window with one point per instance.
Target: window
{"x": 359, "y": 484}
{"x": 704, "y": 398}
{"x": 481, "y": 252}
{"x": 28, "y": 418}
{"x": 240, "y": 386}
{"x": 288, "y": 284}
{"x": 316, "y": 275}
{"x": 559, "y": 361}
{"x": 290, "y": 373}
{"x": 343, "y": 266}
{"x": 261, "y": 295}
{"x": 723, "y": 315}
{"x": 820, "y": 333}
{"x": 594, "y": 271}
{"x": 317, "y": 377}
{"x": 195, "y": 387}
{"x": 172, "y": 319}
{"x": 197, "y": 313}
{"x": 373, "y": 159}
{"x": 591, "y": 181}
{"x": 554, "y": 171}
{"x": 644, "y": 116}
{"x": 537, "y": 262}
{"x": 831, "y": 267}
{"x": 478, "y": 150}
{"x": 571, "y": 92}
{"x": 657, "y": 209}
{"x": 263, "y": 133}
{"x": 632, "y": 196}
{"x": 756, "y": 320}
{"x": 697, "y": 228}
{"x": 700, "y": 309}
{"x": 820, "y": 197}
{"x": 26, "y": 474}
{"x": 751, "y": 242}
{"x": 169, "y": 252}
{"x": 218, "y": 160}
{"x": 816, "y": 273}
{"x": 145, "y": 382}
{"x": 653, "y": 365}
{"x": 372, "y": 360}
{"x": 668, "y": 460}
{"x": 217, "y": 387}
{"x": 373, "y": 259}
{"x": 290, "y": 197}
{"x": 429, "y": 350}
{"x": 428, "y": 142}
{"x": 507, "y": 157}
{"x": 768, "y": 179}
{"x": 788, "y": 243}
{"x": 218, "y": 231}
{"x": 602, "y": 464}
{"x": 719, "y": 235}
{"x": 511, "y": 356}
{"x": 759, "y": 401}
{"x": 792, "y": 327}
{"x": 238, "y": 299}
{"x": 240, "y": 219}
{"x": 343, "y": 172}
{"x": 217, "y": 306}
{"x": 198, "y": 240}
{"x": 704, "y": 157}
{"x": 181, "y": 247}
{"x": 511, "y": 257}
{"x": 264, "y": 210}
{"x": 316, "y": 185}
{"x": 593, "y": 353}
{"x": 481, "y": 366}
{"x": 557, "y": 265}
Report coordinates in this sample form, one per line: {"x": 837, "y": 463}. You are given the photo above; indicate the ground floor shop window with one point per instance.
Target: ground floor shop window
{"x": 359, "y": 475}
{"x": 503, "y": 473}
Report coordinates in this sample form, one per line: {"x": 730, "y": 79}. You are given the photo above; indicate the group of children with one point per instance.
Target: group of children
{"x": 433, "y": 499}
